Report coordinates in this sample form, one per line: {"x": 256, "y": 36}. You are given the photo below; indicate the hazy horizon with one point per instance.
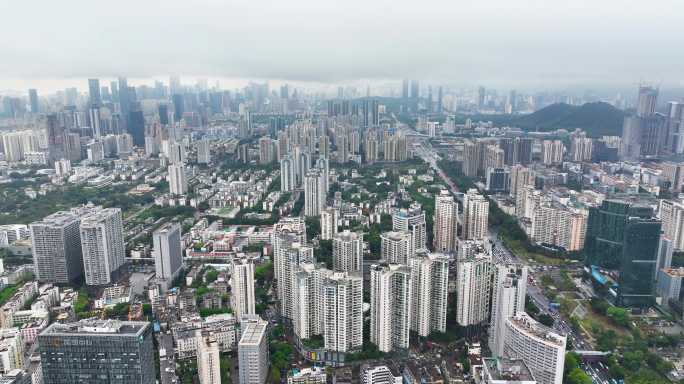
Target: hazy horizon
{"x": 520, "y": 44}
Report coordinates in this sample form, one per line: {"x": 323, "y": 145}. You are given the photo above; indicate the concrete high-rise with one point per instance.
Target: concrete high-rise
{"x": 474, "y": 283}
{"x": 242, "y": 287}
{"x": 127, "y": 345}
{"x": 396, "y": 247}
{"x": 288, "y": 177}
{"x": 253, "y": 352}
{"x": 94, "y": 96}
{"x": 178, "y": 183}
{"x": 552, "y": 151}
{"x": 475, "y": 216}
{"x": 508, "y": 298}
{"x": 307, "y": 318}
{"x": 412, "y": 220}
{"x": 203, "y": 152}
{"x": 56, "y": 245}
{"x": 33, "y": 100}
{"x": 348, "y": 252}
{"x": 430, "y": 280}
{"x": 540, "y": 347}
{"x": 208, "y": 360}
{"x": 102, "y": 244}
{"x": 390, "y": 306}
{"x": 288, "y": 233}
{"x": 314, "y": 193}
{"x": 445, "y": 223}
{"x": 168, "y": 255}
{"x": 329, "y": 219}
{"x": 342, "y": 311}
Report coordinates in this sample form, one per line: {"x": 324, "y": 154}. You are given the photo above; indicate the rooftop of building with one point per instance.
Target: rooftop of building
{"x": 97, "y": 328}
{"x": 253, "y": 331}
{"x": 507, "y": 369}
{"x": 525, "y": 322}
{"x": 674, "y": 272}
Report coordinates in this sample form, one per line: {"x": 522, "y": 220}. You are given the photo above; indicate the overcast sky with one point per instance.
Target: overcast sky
{"x": 509, "y": 43}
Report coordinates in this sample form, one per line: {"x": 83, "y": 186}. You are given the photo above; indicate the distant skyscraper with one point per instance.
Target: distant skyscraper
{"x": 163, "y": 111}
{"x": 94, "y": 92}
{"x": 429, "y": 279}
{"x": 314, "y": 193}
{"x": 178, "y": 107}
{"x": 481, "y": 98}
{"x": 204, "y": 151}
{"x": 405, "y": 89}
{"x": 125, "y": 103}
{"x": 445, "y": 222}
{"x": 178, "y": 184}
{"x": 390, "y": 306}
{"x": 56, "y": 138}
{"x": 415, "y": 89}
{"x": 136, "y": 127}
{"x": 56, "y": 245}
{"x": 242, "y": 287}
{"x": 253, "y": 352}
{"x": 127, "y": 345}
{"x": 508, "y": 298}
{"x": 33, "y": 100}
{"x": 288, "y": 178}
{"x": 647, "y": 102}
{"x": 168, "y": 255}
{"x": 102, "y": 244}
{"x": 348, "y": 252}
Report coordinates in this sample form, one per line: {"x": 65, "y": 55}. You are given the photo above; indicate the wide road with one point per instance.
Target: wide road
{"x": 502, "y": 254}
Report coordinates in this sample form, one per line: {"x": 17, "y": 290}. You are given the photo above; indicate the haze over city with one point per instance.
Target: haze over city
{"x": 523, "y": 44}
{"x": 345, "y": 192}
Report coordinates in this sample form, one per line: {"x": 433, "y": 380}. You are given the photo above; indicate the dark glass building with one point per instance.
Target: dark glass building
{"x": 136, "y": 128}
{"x": 97, "y": 352}
{"x": 623, "y": 235}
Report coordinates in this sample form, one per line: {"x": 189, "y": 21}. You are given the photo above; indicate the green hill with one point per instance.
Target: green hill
{"x": 597, "y": 119}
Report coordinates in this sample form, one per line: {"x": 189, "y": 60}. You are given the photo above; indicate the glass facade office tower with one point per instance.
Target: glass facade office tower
{"x": 624, "y": 235}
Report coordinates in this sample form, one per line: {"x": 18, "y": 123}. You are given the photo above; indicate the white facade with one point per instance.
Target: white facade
{"x": 178, "y": 184}
{"x": 342, "y": 311}
{"x": 253, "y": 352}
{"x": 103, "y": 246}
{"x": 288, "y": 180}
{"x": 390, "y": 306}
{"x": 475, "y": 216}
{"x": 474, "y": 275}
{"x": 430, "y": 281}
{"x": 242, "y": 287}
{"x": 445, "y": 222}
{"x": 208, "y": 361}
{"x": 329, "y": 219}
{"x": 396, "y": 247}
{"x": 168, "y": 255}
{"x": 412, "y": 220}
{"x": 203, "y": 152}
{"x": 348, "y": 252}
{"x": 314, "y": 193}
{"x": 538, "y": 346}
{"x": 508, "y": 298}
